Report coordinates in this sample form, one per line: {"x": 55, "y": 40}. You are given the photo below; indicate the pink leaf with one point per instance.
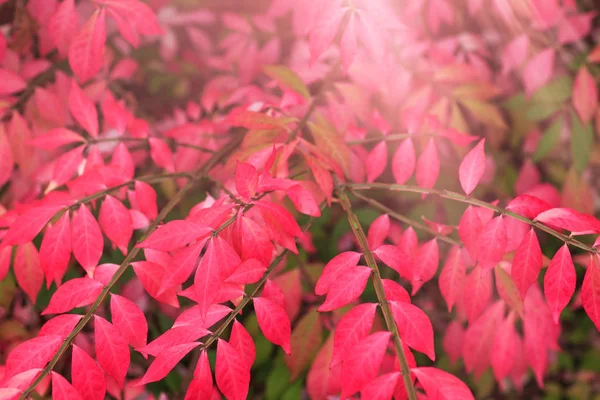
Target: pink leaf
{"x": 429, "y": 258}
{"x": 29, "y": 224}
{"x": 88, "y": 378}
{"x": 575, "y": 27}
{"x": 378, "y": 231}
{"x": 469, "y": 229}
{"x": 440, "y": 384}
{"x": 394, "y": 292}
{"x": 27, "y": 270}
{"x": 381, "y": 388}
{"x": 246, "y": 180}
{"x": 183, "y": 264}
{"x": 250, "y": 271}
{"x": 347, "y": 288}
{"x": 86, "y": 239}
{"x": 61, "y": 325}
{"x": 86, "y": 52}
{"x": 74, "y": 293}
{"x": 273, "y": 322}
{"x": 453, "y": 277}
{"x": 63, "y": 26}
{"x": 231, "y": 372}
{"x": 55, "y": 251}
{"x": 62, "y": 389}
{"x": 6, "y": 159}
{"x": 111, "y": 350}
{"x": 11, "y": 82}
{"x": 527, "y": 263}
{"x": 590, "y": 291}
{"x": 334, "y": 268}
{"x": 354, "y": 326}
{"x": 174, "y": 235}
{"x": 83, "y": 110}
{"x": 151, "y": 276}
{"x": 404, "y": 162}
{"x": 492, "y": 243}
{"x": 560, "y": 281}
{"x": 538, "y": 70}
{"x": 514, "y": 54}
{"x": 376, "y": 161}
{"x": 66, "y": 165}
{"x": 33, "y": 353}
{"x": 146, "y": 198}
{"x": 504, "y": 349}
{"x": 472, "y": 168}
{"x": 565, "y": 218}
{"x": 129, "y": 320}
{"x": 585, "y": 95}
{"x": 161, "y": 154}
{"x": 242, "y": 342}
{"x": 528, "y": 206}
{"x": 201, "y": 387}
{"x": 428, "y": 166}
{"x": 304, "y": 200}
{"x": 362, "y": 364}
{"x": 395, "y": 258}
{"x": 414, "y": 327}
{"x": 165, "y": 362}
{"x": 116, "y": 222}
{"x": 215, "y": 265}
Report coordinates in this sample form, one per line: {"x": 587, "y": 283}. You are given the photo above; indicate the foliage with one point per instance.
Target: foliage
{"x": 289, "y": 199}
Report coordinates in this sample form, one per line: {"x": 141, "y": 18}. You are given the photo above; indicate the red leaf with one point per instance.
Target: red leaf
{"x": 218, "y": 261}
{"x": 394, "y": 292}
{"x": 440, "y": 384}
{"x": 334, "y": 268}
{"x": 472, "y": 168}
{"x": 174, "y": 235}
{"x": 11, "y": 82}
{"x": 492, "y": 243}
{"x": 478, "y": 292}
{"x": 378, "y": 231}
{"x": 528, "y": 206}
{"x": 27, "y": 270}
{"x": 250, "y": 271}
{"x": 6, "y": 159}
{"x": 129, "y": 320}
{"x": 152, "y": 275}
{"x": 347, "y": 288}
{"x": 274, "y": 213}
{"x": 479, "y": 338}
{"x": 246, "y": 180}
{"x": 527, "y": 263}
{"x": 571, "y": 220}
{"x": 538, "y": 70}
{"x": 183, "y": 264}
{"x": 381, "y": 388}
{"x": 201, "y": 387}
{"x": 231, "y": 372}
{"x": 88, "y": 378}
{"x": 33, "y": 353}
{"x": 429, "y": 259}
{"x": 138, "y": 15}
{"x": 63, "y": 25}
{"x": 414, "y": 327}
{"x": 304, "y": 200}
{"x": 376, "y": 161}
{"x": 504, "y": 349}
{"x": 86, "y": 239}
{"x": 146, "y": 199}
{"x": 453, "y": 339}
{"x": 165, "y": 362}
{"x": 560, "y": 281}
{"x": 62, "y": 389}
{"x": 83, "y": 110}
{"x": 428, "y": 166}
{"x": 61, "y": 325}
{"x": 29, "y": 224}
{"x": 362, "y": 364}
{"x": 273, "y": 322}
{"x": 395, "y": 258}
{"x": 507, "y": 289}
{"x": 173, "y": 337}
{"x": 354, "y": 326}
{"x": 590, "y": 291}
{"x": 321, "y": 379}
{"x": 111, "y": 350}
{"x": 116, "y": 222}
{"x": 66, "y": 166}
{"x": 242, "y": 342}
{"x": 585, "y": 95}
{"x": 86, "y": 52}
{"x": 453, "y": 277}
{"x": 469, "y": 229}
{"x": 74, "y": 293}
{"x": 161, "y": 154}
{"x": 55, "y": 251}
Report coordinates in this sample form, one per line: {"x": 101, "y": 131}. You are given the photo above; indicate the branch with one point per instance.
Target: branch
{"x": 378, "y": 284}
{"x": 381, "y": 207}
{"x": 447, "y": 194}
{"x": 390, "y": 137}
{"x": 215, "y": 159}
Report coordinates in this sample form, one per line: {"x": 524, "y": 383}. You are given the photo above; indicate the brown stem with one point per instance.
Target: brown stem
{"x": 378, "y": 284}
{"x": 216, "y": 158}
{"x": 446, "y": 194}
{"x": 390, "y": 137}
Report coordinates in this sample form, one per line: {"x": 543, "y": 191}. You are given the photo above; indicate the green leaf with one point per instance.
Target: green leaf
{"x": 540, "y": 111}
{"x": 305, "y": 342}
{"x": 549, "y": 141}
{"x": 582, "y": 141}
{"x": 287, "y": 78}
{"x": 486, "y": 113}
{"x": 557, "y": 90}
{"x": 277, "y": 381}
